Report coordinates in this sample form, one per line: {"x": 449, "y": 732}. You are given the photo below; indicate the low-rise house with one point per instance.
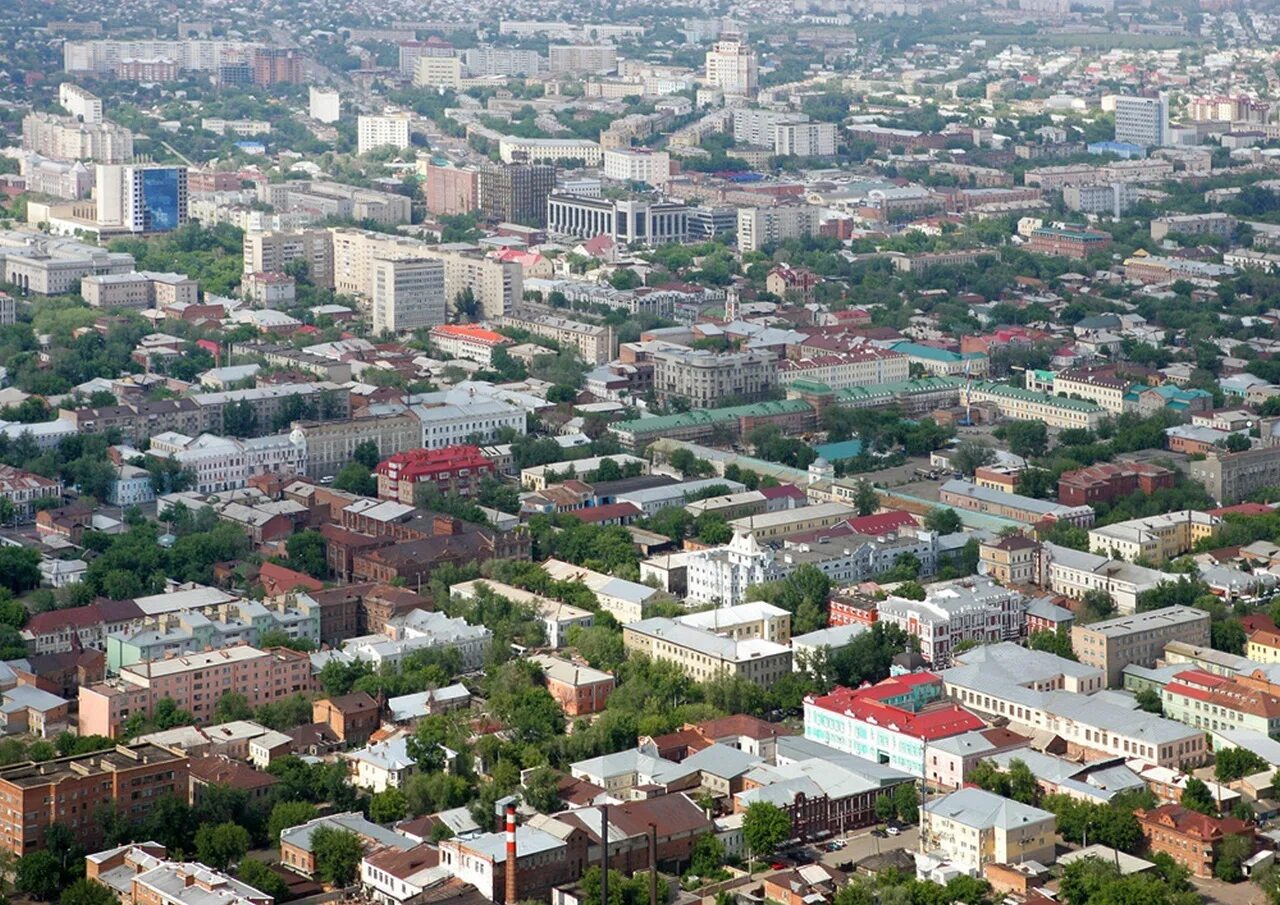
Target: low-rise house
{"x": 1192, "y": 839}
{"x": 352, "y": 717}
{"x": 577, "y": 688}
{"x": 971, "y": 828}
{"x": 381, "y": 766}
{"x": 297, "y": 855}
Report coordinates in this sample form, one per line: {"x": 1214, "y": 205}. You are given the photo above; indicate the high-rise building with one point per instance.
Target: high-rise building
{"x": 593, "y": 58}
{"x": 732, "y": 67}
{"x": 517, "y": 192}
{"x": 438, "y": 72}
{"x": 408, "y": 294}
{"x": 637, "y": 165}
{"x": 450, "y": 189}
{"x": 144, "y": 198}
{"x": 760, "y": 226}
{"x": 1142, "y": 120}
{"x": 324, "y": 104}
{"x": 412, "y": 51}
{"x": 277, "y": 66}
{"x": 66, "y": 138}
{"x": 391, "y": 130}
{"x": 83, "y": 105}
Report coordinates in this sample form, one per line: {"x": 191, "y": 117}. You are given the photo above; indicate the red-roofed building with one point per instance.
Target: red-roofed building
{"x": 1193, "y": 840}
{"x": 277, "y": 579}
{"x": 1105, "y": 482}
{"x": 1242, "y": 509}
{"x": 887, "y": 723}
{"x": 888, "y": 522}
{"x": 793, "y": 284}
{"x": 452, "y": 469}
{"x": 465, "y": 341}
{"x": 609, "y": 514}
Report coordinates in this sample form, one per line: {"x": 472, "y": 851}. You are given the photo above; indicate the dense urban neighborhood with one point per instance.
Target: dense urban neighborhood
{"x": 815, "y": 453}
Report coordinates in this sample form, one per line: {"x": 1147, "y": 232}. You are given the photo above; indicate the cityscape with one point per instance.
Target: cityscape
{"x": 725, "y": 453}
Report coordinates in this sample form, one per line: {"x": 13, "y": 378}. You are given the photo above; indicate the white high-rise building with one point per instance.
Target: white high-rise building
{"x": 637, "y": 165}
{"x": 324, "y": 104}
{"x": 1142, "y": 120}
{"x": 804, "y": 139}
{"x": 732, "y": 67}
{"x": 391, "y": 129}
{"x": 408, "y": 294}
{"x": 82, "y": 104}
{"x": 145, "y": 198}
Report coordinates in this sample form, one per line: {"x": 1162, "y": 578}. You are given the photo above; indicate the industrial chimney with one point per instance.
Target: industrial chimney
{"x": 511, "y": 855}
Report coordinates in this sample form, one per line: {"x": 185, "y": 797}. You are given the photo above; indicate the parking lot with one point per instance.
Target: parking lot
{"x": 864, "y": 842}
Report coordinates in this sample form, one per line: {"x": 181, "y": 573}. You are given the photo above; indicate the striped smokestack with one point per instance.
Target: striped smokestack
{"x": 511, "y": 855}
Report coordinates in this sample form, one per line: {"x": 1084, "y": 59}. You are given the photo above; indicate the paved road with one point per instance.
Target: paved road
{"x": 861, "y": 844}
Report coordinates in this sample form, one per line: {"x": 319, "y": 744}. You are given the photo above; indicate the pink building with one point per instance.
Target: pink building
{"x": 949, "y": 760}
{"x": 194, "y": 682}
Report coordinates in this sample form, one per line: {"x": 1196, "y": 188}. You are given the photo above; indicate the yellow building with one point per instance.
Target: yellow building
{"x": 1155, "y": 538}
{"x": 1263, "y": 646}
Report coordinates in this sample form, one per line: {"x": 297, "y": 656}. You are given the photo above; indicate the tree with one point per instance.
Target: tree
{"x": 970, "y": 455}
{"x": 1231, "y": 855}
{"x": 288, "y": 814}
{"x": 19, "y": 569}
{"x": 866, "y": 499}
{"x": 337, "y": 855}
{"x": 261, "y": 878}
{"x": 542, "y": 790}
{"x": 366, "y": 453}
{"x": 1056, "y": 642}
{"x": 239, "y": 419}
{"x": 906, "y": 802}
{"x": 387, "y": 806}
{"x": 1197, "y": 797}
{"x": 355, "y": 478}
{"x": 1025, "y": 438}
{"x": 944, "y": 521}
{"x": 232, "y": 706}
{"x": 765, "y": 826}
{"x": 221, "y": 845}
{"x": 307, "y": 553}
{"x": 1231, "y": 764}
{"x": 39, "y": 875}
{"x": 885, "y": 808}
{"x": 1149, "y": 700}
{"x": 1022, "y": 783}
{"x": 707, "y": 855}
{"x": 87, "y": 892}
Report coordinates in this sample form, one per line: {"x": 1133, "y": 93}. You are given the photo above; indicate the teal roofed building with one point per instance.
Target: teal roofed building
{"x": 1147, "y": 400}
{"x": 836, "y": 452}
{"x": 943, "y": 362}
{"x": 728, "y": 424}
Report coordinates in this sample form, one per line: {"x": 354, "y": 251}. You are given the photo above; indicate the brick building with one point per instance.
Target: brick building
{"x": 1075, "y": 242}
{"x": 1107, "y": 482}
{"x": 1190, "y": 838}
{"x": 352, "y": 717}
{"x": 451, "y": 469}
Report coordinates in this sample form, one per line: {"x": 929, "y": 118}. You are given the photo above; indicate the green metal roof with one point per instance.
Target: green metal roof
{"x": 900, "y": 387}
{"x": 1000, "y": 389}
{"x": 712, "y": 416}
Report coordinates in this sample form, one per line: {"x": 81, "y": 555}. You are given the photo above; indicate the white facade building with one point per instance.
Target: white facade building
{"x": 224, "y": 463}
{"x": 731, "y": 66}
{"x": 408, "y": 294}
{"x": 450, "y": 424}
{"x": 389, "y": 130}
{"x": 82, "y": 104}
{"x": 324, "y": 104}
{"x": 1143, "y": 120}
{"x": 972, "y": 609}
{"x": 637, "y": 165}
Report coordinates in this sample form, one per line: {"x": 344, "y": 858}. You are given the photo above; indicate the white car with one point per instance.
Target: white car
{"x": 892, "y": 830}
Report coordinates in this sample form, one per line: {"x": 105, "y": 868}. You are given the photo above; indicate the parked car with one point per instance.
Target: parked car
{"x": 892, "y": 830}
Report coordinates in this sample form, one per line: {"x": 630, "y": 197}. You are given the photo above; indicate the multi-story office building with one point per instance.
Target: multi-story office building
{"x": 1113, "y": 644}
{"x": 80, "y": 103}
{"x": 597, "y": 344}
{"x": 1154, "y": 538}
{"x": 761, "y": 226}
{"x": 330, "y": 445}
{"x": 270, "y": 252}
{"x": 804, "y": 139}
{"x": 971, "y": 828}
{"x": 408, "y": 294}
{"x": 195, "y": 683}
{"x": 1142, "y": 121}
{"x": 450, "y": 189}
{"x": 970, "y": 610}
{"x": 72, "y": 792}
{"x": 138, "y": 290}
{"x": 866, "y": 367}
{"x": 324, "y": 104}
{"x": 516, "y": 192}
{"x": 143, "y": 198}
{"x": 731, "y": 66}
{"x": 889, "y": 723}
{"x": 67, "y": 138}
{"x": 1028, "y": 405}
{"x": 706, "y": 379}
{"x": 513, "y": 149}
{"x": 704, "y": 654}
{"x": 387, "y": 130}
{"x": 596, "y": 59}
{"x": 637, "y": 165}
{"x": 633, "y": 220}
{"x": 52, "y": 266}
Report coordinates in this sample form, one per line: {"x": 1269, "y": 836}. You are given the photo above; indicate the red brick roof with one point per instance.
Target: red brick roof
{"x": 596, "y": 514}
{"x": 1192, "y": 823}
{"x": 865, "y": 704}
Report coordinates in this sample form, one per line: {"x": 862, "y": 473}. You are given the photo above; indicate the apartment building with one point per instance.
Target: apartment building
{"x": 863, "y": 367}
{"x": 703, "y": 654}
{"x": 1155, "y": 538}
{"x": 329, "y": 445}
{"x": 1142, "y": 121}
{"x": 1231, "y": 477}
{"x": 408, "y": 295}
{"x": 465, "y": 341}
{"x": 1010, "y": 560}
{"x": 706, "y": 379}
{"x": 24, "y": 489}
{"x": 596, "y": 59}
{"x": 512, "y": 149}
{"x": 1113, "y": 644}
{"x": 69, "y": 138}
{"x": 1214, "y": 703}
{"x": 1040, "y": 692}
{"x": 761, "y": 226}
{"x": 971, "y": 828}
{"x": 451, "y": 469}
{"x": 270, "y": 252}
{"x": 450, "y": 189}
{"x": 224, "y": 463}
{"x": 1112, "y": 198}
{"x": 84, "y": 105}
{"x": 889, "y": 723}
{"x": 324, "y": 104}
{"x": 1215, "y": 223}
{"x": 731, "y": 66}
{"x": 389, "y": 130}
{"x": 449, "y": 423}
{"x": 1106, "y": 482}
{"x": 1074, "y": 573}
{"x": 1098, "y": 388}
{"x": 577, "y": 688}
{"x": 72, "y": 791}
{"x": 195, "y": 682}
{"x": 971, "y": 610}
{"x": 596, "y": 344}
{"x": 195, "y": 55}
{"x": 1022, "y": 404}
{"x": 1190, "y": 838}
{"x": 138, "y": 291}
{"x": 804, "y": 139}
